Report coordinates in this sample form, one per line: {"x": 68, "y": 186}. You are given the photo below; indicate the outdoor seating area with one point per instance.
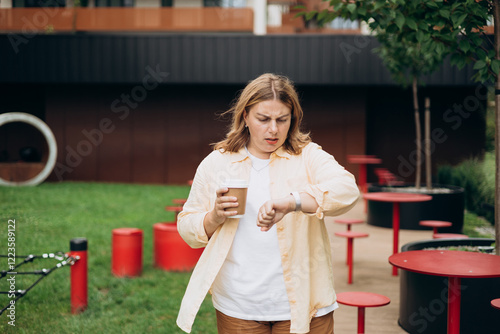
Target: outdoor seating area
{"x": 366, "y": 129}
{"x": 373, "y": 274}
{"x": 373, "y": 287}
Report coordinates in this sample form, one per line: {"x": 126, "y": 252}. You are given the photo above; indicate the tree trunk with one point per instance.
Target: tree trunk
{"x": 427, "y": 141}
{"x": 496, "y": 17}
{"x": 418, "y": 167}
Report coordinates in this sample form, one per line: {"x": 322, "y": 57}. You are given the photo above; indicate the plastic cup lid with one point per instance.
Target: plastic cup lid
{"x": 235, "y": 183}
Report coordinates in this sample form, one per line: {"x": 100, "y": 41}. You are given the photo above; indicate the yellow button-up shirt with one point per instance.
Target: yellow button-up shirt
{"x": 303, "y": 240}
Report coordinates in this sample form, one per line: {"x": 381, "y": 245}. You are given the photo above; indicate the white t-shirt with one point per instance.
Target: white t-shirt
{"x": 250, "y": 284}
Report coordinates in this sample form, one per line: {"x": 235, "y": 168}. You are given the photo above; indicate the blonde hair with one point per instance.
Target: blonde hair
{"x": 266, "y": 87}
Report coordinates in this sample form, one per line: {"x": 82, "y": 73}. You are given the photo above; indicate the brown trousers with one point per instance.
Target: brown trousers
{"x": 230, "y": 325}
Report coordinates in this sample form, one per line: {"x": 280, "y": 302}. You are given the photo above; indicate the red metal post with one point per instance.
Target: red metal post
{"x": 395, "y": 229}
{"x": 454, "y": 295}
{"x": 349, "y": 258}
{"x": 362, "y": 177}
{"x": 361, "y": 320}
{"x": 78, "y": 249}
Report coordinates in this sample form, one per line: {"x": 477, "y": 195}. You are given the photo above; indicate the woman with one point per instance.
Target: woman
{"x": 265, "y": 279}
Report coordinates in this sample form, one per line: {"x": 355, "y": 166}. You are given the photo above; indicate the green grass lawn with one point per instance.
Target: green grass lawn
{"x": 49, "y": 216}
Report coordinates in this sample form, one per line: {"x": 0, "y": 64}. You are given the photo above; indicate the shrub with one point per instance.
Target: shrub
{"x": 477, "y": 178}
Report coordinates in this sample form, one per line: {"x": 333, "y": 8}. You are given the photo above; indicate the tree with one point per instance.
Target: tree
{"x": 408, "y": 60}
{"x": 434, "y": 27}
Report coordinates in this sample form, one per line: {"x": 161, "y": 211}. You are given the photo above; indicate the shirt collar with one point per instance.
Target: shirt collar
{"x": 282, "y": 153}
{"x": 242, "y": 155}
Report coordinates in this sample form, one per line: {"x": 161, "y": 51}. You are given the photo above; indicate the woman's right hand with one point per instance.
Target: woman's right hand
{"x": 218, "y": 215}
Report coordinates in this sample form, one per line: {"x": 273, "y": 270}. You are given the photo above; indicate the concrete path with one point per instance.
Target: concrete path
{"x": 372, "y": 273}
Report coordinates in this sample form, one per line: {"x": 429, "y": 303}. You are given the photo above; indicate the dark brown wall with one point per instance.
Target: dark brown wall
{"x": 163, "y": 137}
{"x": 335, "y": 116}
{"x": 104, "y": 134}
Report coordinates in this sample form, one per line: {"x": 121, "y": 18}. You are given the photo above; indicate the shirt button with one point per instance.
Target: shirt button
{"x": 280, "y": 228}
{"x": 285, "y": 254}
{"x": 292, "y": 301}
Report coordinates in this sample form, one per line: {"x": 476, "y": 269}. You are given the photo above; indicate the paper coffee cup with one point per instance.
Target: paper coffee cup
{"x": 237, "y": 188}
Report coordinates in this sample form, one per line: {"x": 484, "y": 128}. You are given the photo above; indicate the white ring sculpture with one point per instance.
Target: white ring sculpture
{"x": 51, "y": 143}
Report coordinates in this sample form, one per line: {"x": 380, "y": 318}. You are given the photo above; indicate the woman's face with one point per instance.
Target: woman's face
{"x": 268, "y": 123}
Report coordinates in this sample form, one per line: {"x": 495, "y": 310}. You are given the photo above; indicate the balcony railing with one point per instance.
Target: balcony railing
{"x": 209, "y": 19}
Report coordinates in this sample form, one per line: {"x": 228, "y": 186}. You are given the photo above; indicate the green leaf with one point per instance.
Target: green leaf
{"x": 362, "y": 11}
{"x": 458, "y": 60}
{"x": 351, "y": 7}
{"x": 444, "y": 13}
{"x": 479, "y": 65}
{"x": 400, "y": 20}
{"x": 378, "y": 5}
{"x": 323, "y": 14}
{"x": 458, "y": 19}
{"x": 423, "y": 26}
{"x": 464, "y": 45}
{"x": 411, "y": 23}
{"x": 432, "y": 4}
{"x": 310, "y": 15}
{"x": 495, "y": 66}
{"x": 440, "y": 49}
{"x": 420, "y": 36}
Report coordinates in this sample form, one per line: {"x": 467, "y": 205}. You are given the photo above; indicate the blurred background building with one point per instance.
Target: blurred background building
{"x": 132, "y": 89}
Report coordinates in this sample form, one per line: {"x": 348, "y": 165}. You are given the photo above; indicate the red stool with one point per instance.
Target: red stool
{"x": 496, "y": 303}
{"x": 349, "y": 222}
{"x": 449, "y": 236}
{"x": 350, "y": 235}
{"x": 435, "y": 224}
{"x": 171, "y": 252}
{"x": 174, "y": 208}
{"x": 127, "y": 252}
{"x": 362, "y": 300}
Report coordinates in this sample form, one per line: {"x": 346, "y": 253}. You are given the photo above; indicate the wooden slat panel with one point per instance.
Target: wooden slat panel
{"x": 149, "y": 145}
{"x": 183, "y": 130}
{"x": 115, "y": 151}
{"x": 80, "y": 152}
{"x": 56, "y": 105}
{"x": 127, "y": 19}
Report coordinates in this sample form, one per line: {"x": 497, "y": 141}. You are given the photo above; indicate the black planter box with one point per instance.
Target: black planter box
{"x": 447, "y": 207}
{"x": 424, "y": 298}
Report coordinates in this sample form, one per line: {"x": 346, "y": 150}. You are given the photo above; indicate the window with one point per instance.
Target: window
{"x": 167, "y": 3}
{"x": 114, "y": 3}
{"x": 340, "y": 23}
{"x": 224, "y": 3}
{"x": 39, "y": 3}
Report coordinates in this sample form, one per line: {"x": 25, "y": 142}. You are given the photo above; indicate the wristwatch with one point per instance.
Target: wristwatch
{"x": 298, "y": 203}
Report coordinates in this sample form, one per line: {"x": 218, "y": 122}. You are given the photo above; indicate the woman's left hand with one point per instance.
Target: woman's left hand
{"x": 273, "y": 211}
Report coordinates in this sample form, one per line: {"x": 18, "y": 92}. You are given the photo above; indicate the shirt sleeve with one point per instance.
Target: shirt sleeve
{"x": 333, "y": 187}
{"x": 197, "y": 206}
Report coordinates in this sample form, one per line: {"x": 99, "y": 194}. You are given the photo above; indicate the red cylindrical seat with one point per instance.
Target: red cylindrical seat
{"x": 362, "y": 300}
{"x": 435, "y": 224}
{"x": 496, "y": 303}
{"x": 127, "y": 252}
{"x": 171, "y": 252}
{"x": 349, "y": 222}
